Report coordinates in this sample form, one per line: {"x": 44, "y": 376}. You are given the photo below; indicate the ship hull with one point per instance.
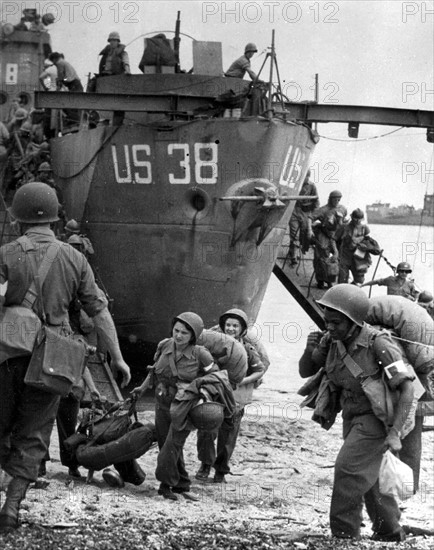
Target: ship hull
{"x": 165, "y": 242}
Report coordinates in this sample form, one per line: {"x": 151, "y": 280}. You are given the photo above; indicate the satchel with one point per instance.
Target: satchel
{"x": 57, "y": 363}
{"x": 375, "y": 388}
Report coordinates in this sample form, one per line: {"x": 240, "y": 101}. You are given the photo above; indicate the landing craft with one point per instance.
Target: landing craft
{"x": 185, "y": 184}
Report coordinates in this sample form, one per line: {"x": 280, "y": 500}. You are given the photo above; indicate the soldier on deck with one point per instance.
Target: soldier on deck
{"x": 114, "y": 58}
{"x": 242, "y": 65}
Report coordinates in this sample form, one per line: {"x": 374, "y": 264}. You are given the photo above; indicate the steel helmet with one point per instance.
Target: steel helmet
{"x": 73, "y": 226}
{"x": 74, "y": 240}
{"x": 193, "y": 321}
{"x": 350, "y": 300}
{"x": 207, "y": 416}
{"x": 336, "y": 194}
{"x": 114, "y": 35}
{"x": 357, "y": 213}
{"x": 250, "y": 47}
{"x": 35, "y": 202}
{"x": 235, "y": 314}
{"x": 20, "y": 114}
{"x": 425, "y": 297}
{"x": 44, "y": 167}
{"x": 404, "y": 266}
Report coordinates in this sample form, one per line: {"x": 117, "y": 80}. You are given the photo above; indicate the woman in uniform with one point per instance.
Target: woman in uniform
{"x": 178, "y": 361}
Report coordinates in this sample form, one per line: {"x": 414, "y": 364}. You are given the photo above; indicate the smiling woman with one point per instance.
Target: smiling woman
{"x": 178, "y": 362}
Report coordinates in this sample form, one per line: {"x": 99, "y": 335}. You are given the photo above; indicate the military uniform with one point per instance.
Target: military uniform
{"x": 114, "y": 60}
{"x": 227, "y": 435}
{"x": 301, "y": 220}
{"x": 26, "y": 414}
{"x": 349, "y": 236}
{"x": 329, "y": 219}
{"x": 239, "y": 67}
{"x": 171, "y": 374}
{"x": 358, "y": 463}
{"x": 397, "y": 286}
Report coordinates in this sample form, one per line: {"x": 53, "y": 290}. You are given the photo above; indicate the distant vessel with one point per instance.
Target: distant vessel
{"x": 384, "y": 214}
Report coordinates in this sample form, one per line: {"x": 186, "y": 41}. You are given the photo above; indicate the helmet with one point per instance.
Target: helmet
{"x": 48, "y": 19}
{"x": 207, "y": 416}
{"x": 193, "y": 321}
{"x": 357, "y": 213}
{"x": 425, "y": 297}
{"x": 404, "y": 266}
{"x": 235, "y": 314}
{"x": 35, "y": 202}
{"x": 73, "y": 226}
{"x": 114, "y": 35}
{"x": 44, "y": 167}
{"x": 74, "y": 240}
{"x": 250, "y": 47}
{"x": 347, "y": 299}
{"x": 336, "y": 194}
{"x": 20, "y": 114}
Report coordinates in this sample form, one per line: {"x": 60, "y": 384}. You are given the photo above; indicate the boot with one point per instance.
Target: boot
{"x": 15, "y": 494}
{"x": 203, "y": 472}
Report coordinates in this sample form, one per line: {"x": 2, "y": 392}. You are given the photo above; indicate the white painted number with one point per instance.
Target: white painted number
{"x": 184, "y": 164}
{"x": 135, "y": 166}
{"x": 205, "y": 168}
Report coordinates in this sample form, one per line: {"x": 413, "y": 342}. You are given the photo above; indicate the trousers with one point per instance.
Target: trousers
{"x": 26, "y": 421}
{"x": 356, "y": 474}
{"x": 170, "y": 462}
{"x": 226, "y": 440}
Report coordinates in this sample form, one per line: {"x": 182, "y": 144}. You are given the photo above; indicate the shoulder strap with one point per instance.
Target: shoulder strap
{"x": 351, "y": 365}
{"x": 39, "y": 273}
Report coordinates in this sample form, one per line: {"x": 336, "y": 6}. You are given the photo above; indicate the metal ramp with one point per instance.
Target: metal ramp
{"x": 299, "y": 281}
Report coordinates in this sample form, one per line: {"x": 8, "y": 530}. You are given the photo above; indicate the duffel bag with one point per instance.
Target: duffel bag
{"x": 411, "y": 322}
{"x": 227, "y": 352}
{"x": 131, "y": 445}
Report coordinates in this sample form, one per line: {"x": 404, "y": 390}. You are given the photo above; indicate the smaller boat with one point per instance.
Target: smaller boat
{"x": 383, "y": 214}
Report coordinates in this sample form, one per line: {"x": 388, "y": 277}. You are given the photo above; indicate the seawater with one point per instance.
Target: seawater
{"x": 283, "y": 325}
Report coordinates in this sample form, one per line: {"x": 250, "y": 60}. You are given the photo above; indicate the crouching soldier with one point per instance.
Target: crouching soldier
{"x": 350, "y": 351}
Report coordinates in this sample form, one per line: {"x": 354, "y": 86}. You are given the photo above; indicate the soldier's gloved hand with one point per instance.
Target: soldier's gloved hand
{"x": 393, "y": 441}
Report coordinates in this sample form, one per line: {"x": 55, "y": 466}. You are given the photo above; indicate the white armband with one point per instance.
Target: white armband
{"x": 395, "y": 368}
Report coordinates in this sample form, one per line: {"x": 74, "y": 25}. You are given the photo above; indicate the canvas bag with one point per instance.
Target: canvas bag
{"x": 375, "y": 388}
{"x": 19, "y": 325}
{"x": 58, "y": 361}
{"x": 396, "y": 478}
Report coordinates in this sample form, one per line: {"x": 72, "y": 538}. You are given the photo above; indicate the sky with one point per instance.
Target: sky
{"x": 373, "y": 53}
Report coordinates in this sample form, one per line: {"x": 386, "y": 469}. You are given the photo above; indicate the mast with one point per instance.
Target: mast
{"x": 270, "y": 84}
{"x": 176, "y": 41}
